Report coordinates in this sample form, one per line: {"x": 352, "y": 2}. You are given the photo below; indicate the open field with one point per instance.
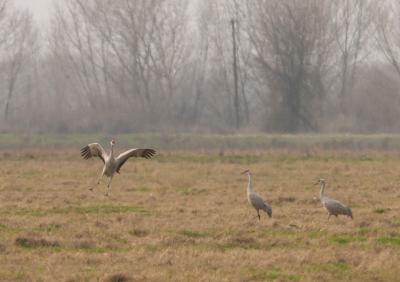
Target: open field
{"x": 183, "y": 216}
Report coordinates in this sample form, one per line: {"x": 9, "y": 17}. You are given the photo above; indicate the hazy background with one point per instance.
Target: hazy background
{"x": 40, "y": 9}
{"x": 168, "y": 66}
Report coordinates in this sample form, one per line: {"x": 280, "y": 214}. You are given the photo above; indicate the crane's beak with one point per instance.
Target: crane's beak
{"x": 316, "y": 183}
{"x": 246, "y": 171}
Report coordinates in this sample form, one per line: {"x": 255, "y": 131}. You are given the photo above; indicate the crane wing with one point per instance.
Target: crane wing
{"x": 138, "y": 153}
{"x": 256, "y": 200}
{"x": 258, "y": 203}
{"x": 93, "y": 150}
{"x": 335, "y": 207}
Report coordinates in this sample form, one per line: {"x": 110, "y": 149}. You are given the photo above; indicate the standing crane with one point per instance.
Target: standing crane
{"x": 255, "y": 200}
{"x": 112, "y": 164}
{"x": 333, "y": 206}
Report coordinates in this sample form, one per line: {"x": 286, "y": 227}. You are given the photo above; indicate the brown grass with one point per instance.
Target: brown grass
{"x": 185, "y": 217}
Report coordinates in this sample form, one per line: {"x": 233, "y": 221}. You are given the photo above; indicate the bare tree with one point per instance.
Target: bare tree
{"x": 75, "y": 44}
{"x": 289, "y": 38}
{"x": 351, "y": 26}
{"x": 224, "y": 103}
{"x": 387, "y": 32}
{"x": 129, "y": 54}
{"x": 168, "y": 64}
{"x": 201, "y": 60}
{"x": 19, "y": 38}
{"x": 3, "y": 18}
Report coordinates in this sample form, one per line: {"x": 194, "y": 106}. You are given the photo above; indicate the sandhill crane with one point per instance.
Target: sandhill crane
{"x": 111, "y": 164}
{"x": 333, "y": 207}
{"x": 255, "y": 200}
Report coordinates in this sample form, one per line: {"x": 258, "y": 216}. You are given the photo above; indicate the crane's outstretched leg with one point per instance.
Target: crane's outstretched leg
{"x": 108, "y": 189}
{"x": 329, "y": 215}
{"x": 258, "y": 213}
{"x": 98, "y": 182}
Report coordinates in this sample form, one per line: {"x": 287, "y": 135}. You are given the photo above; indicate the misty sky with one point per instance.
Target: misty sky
{"x": 39, "y": 8}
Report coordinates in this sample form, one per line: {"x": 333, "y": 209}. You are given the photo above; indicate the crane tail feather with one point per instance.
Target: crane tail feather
{"x": 350, "y": 213}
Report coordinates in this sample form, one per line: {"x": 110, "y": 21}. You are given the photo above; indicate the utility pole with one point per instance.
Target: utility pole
{"x": 235, "y": 76}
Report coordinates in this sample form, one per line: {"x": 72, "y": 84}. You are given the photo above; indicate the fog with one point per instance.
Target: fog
{"x": 225, "y": 66}
{"x": 40, "y": 9}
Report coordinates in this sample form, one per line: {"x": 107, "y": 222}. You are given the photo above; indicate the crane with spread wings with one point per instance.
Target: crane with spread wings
{"x": 112, "y": 164}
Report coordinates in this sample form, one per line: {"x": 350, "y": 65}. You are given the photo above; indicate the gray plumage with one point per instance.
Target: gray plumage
{"x": 111, "y": 164}
{"x": 333, "y": 206}
{"x": 255, "y": 200}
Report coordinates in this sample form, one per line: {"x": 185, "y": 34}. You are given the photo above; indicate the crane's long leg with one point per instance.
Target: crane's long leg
{"x": 258, "y": 213}
{"x": 108, "y": 189}
{"x": 329, "y": 215}
{"x": 98, "y": 182}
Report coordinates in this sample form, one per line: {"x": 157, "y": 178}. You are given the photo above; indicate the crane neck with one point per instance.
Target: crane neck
{"x": 321, "y": 192}
{"x": 112, "y": 152}
{"x": 250, "y": 184}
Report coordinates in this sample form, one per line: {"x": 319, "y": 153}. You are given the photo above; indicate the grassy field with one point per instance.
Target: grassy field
{"x": 184, "y": 216}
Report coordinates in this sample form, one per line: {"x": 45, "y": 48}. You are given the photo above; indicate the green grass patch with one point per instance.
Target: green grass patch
{"x": 272, "y": 275}
{"x": 191, "y": 191}
{"x": 363, "y": 231}
{"x": 393, "y": 240}
{"x": 339, "y": 270}
{"x": 344, "y": 239}
{"x": 396, "y": 223}
{"x": 13, "y": 229}
{"x": 152, "y": 248}
{"x": 32, "y": 243}
{"x": 138, "y": 189}
{"x": 186, "y": 192}
{"x": 380, "y": 210}
{"x": 193, "y": 233}
{"x": 317, "y": 234}
{"x": 49, "y": 228}
{"x": 89, "y": 246}
{"x": 240, "y": 242}
{"x": 103, "y": 250}
{"x": 241, "y": 159}
{"x": 21, "y": 275}
{"x": 138, "y": 232}
{"x": 340, "y": 267}
{"x": 105, "y": 209}
{"x": 281, "y": 232}
{"x": 269, "y": 276}
{"x": 210, "y": 141}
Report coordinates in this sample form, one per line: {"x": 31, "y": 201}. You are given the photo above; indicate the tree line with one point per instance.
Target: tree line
{"x": 218, "y": 66}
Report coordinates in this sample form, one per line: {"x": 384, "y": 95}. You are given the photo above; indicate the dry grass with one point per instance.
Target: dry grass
{"x": 185, "y": 217}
